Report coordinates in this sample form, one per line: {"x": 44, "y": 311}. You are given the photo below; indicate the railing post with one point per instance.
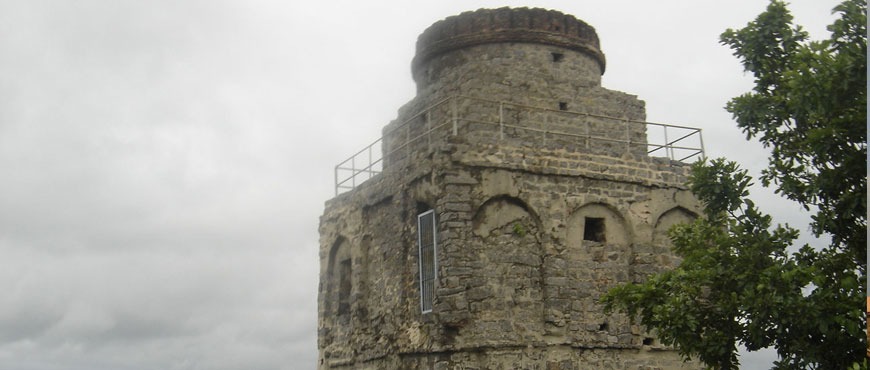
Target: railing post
{"x": 455, "y": 116}
{"x": 701, "y": 139}
{"x": 336, "y": 180}
{"x": 501, "y": 120}
{"x": 370, "y": 161}
{"x": 667, "y": 144}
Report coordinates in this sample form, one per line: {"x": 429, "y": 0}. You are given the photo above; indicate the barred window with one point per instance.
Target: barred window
{"x": 426, "y": 241}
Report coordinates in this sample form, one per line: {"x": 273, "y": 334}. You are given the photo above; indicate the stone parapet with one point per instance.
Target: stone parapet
{"x": 643, "y": 170}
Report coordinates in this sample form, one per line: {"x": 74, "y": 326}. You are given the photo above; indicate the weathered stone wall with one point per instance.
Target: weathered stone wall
{"x": 531, "y": 357}
{"x": 605, "y": 123}
{"x": 525, "y": 58}
{"x": 532, "y": 228}
{"x": 514, "y": 268}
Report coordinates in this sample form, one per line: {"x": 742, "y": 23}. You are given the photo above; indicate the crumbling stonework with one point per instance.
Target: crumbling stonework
{"x": 544, "y": 197}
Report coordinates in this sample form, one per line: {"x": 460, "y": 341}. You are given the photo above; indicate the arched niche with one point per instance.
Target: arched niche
{"x": 671, "y": 217}
{"x": 499, "y": 211}
{"x": 339, "y": 275}
{"x": 597, "y": 223}
{"x": 507, "y": 292}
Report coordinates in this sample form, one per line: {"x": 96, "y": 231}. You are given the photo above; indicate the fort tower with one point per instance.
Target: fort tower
{"x": 512, "y": 192}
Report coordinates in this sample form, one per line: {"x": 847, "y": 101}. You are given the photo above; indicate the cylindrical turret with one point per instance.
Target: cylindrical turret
{"x": 510, "y": 46}
{"x": 511, "y": 74}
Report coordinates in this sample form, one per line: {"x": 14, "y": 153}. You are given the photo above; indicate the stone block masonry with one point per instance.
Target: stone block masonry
{"x": 529, "y": 233}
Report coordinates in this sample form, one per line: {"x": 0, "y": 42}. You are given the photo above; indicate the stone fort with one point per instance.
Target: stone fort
{"x": 482, "y": 228}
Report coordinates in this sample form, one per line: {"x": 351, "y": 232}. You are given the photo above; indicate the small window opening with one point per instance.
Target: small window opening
{"x": 557, "y": 57}
{"x": 593, "y": 230}
{"x": 422, "y": 208}
{"x": 563, "y": 105}
{"x": 344, "y": 287}
{"x": 647, "y": 341}
{"x": 603, "y": 326}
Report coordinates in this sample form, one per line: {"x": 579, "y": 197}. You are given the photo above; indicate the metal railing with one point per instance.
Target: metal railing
{"x": 679, "y": 143}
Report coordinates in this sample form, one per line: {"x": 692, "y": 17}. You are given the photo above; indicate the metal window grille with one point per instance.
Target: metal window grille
{"x": 426, "y": 241}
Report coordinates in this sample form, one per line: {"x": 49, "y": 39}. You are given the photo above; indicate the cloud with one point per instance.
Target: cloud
{"x": 239, "y": 303}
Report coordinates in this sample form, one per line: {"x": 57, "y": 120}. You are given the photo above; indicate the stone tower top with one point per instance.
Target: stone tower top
{"x": 507, "y": 197}
{"x": 506, "y": 25}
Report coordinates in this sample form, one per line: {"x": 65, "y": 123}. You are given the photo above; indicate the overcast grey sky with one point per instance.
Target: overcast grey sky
{"x": 164, "y": 163}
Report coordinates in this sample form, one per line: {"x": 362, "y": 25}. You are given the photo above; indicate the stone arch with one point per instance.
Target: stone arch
{"x": 499, "y": 211}
{"x": 336, "y": 284}
{"x": 611, "y": 227}
{"x": 506, "y": 301}
{"x": 669, "y": 218}
{"x": 339, "y": 274}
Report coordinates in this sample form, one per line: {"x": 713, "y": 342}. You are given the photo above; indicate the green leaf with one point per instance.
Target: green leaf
{"x": 741, "y": 280}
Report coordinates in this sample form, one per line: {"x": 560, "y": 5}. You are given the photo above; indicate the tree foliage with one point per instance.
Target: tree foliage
{"x": 740, "y": 281}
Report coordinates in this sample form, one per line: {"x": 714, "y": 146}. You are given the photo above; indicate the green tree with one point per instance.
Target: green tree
{"x": 739, "y": 282}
